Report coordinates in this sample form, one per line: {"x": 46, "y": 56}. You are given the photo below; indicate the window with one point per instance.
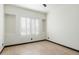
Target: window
{"x": 33, "y": 26}
{"x": 23, "y": 26}
{"x": 37, "y": 26}
{"x": 29, "y": 26}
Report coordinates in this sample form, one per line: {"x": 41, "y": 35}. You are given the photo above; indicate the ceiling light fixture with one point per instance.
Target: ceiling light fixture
{"x": 44, "y": 5}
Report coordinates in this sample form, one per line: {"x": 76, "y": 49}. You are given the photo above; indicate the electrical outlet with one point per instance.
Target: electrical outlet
{"x": 2, "y": 44}
{"x": 31, "y": 39}
{"x": 48, "y": 37}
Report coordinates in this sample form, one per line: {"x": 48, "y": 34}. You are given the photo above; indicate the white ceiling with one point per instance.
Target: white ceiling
{"x": 40, "y": 7}
{"x": 37, "y": 7}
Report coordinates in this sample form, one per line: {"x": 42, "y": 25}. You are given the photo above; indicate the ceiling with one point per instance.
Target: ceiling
{"x": 37, "y": 7}
{"x": 41, "y": 8}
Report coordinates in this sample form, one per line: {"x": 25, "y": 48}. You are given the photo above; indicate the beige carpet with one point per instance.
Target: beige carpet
{"x": 38, "y": 48}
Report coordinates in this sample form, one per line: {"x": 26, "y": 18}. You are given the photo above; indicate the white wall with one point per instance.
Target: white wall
{"x": 37, "y": 7}
{"x": 1, "y": 26}
{"x": 16, "y": 38}
{"x": 63, "y": 25}
{"x": 10, "y": 29}
{"x": 12, "y": 9}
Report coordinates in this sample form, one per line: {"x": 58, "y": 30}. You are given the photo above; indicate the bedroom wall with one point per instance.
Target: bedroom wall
{"x": 63, "y": 25}
{"x": 13, "y": 12}
{"x": 1, "y": 26}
